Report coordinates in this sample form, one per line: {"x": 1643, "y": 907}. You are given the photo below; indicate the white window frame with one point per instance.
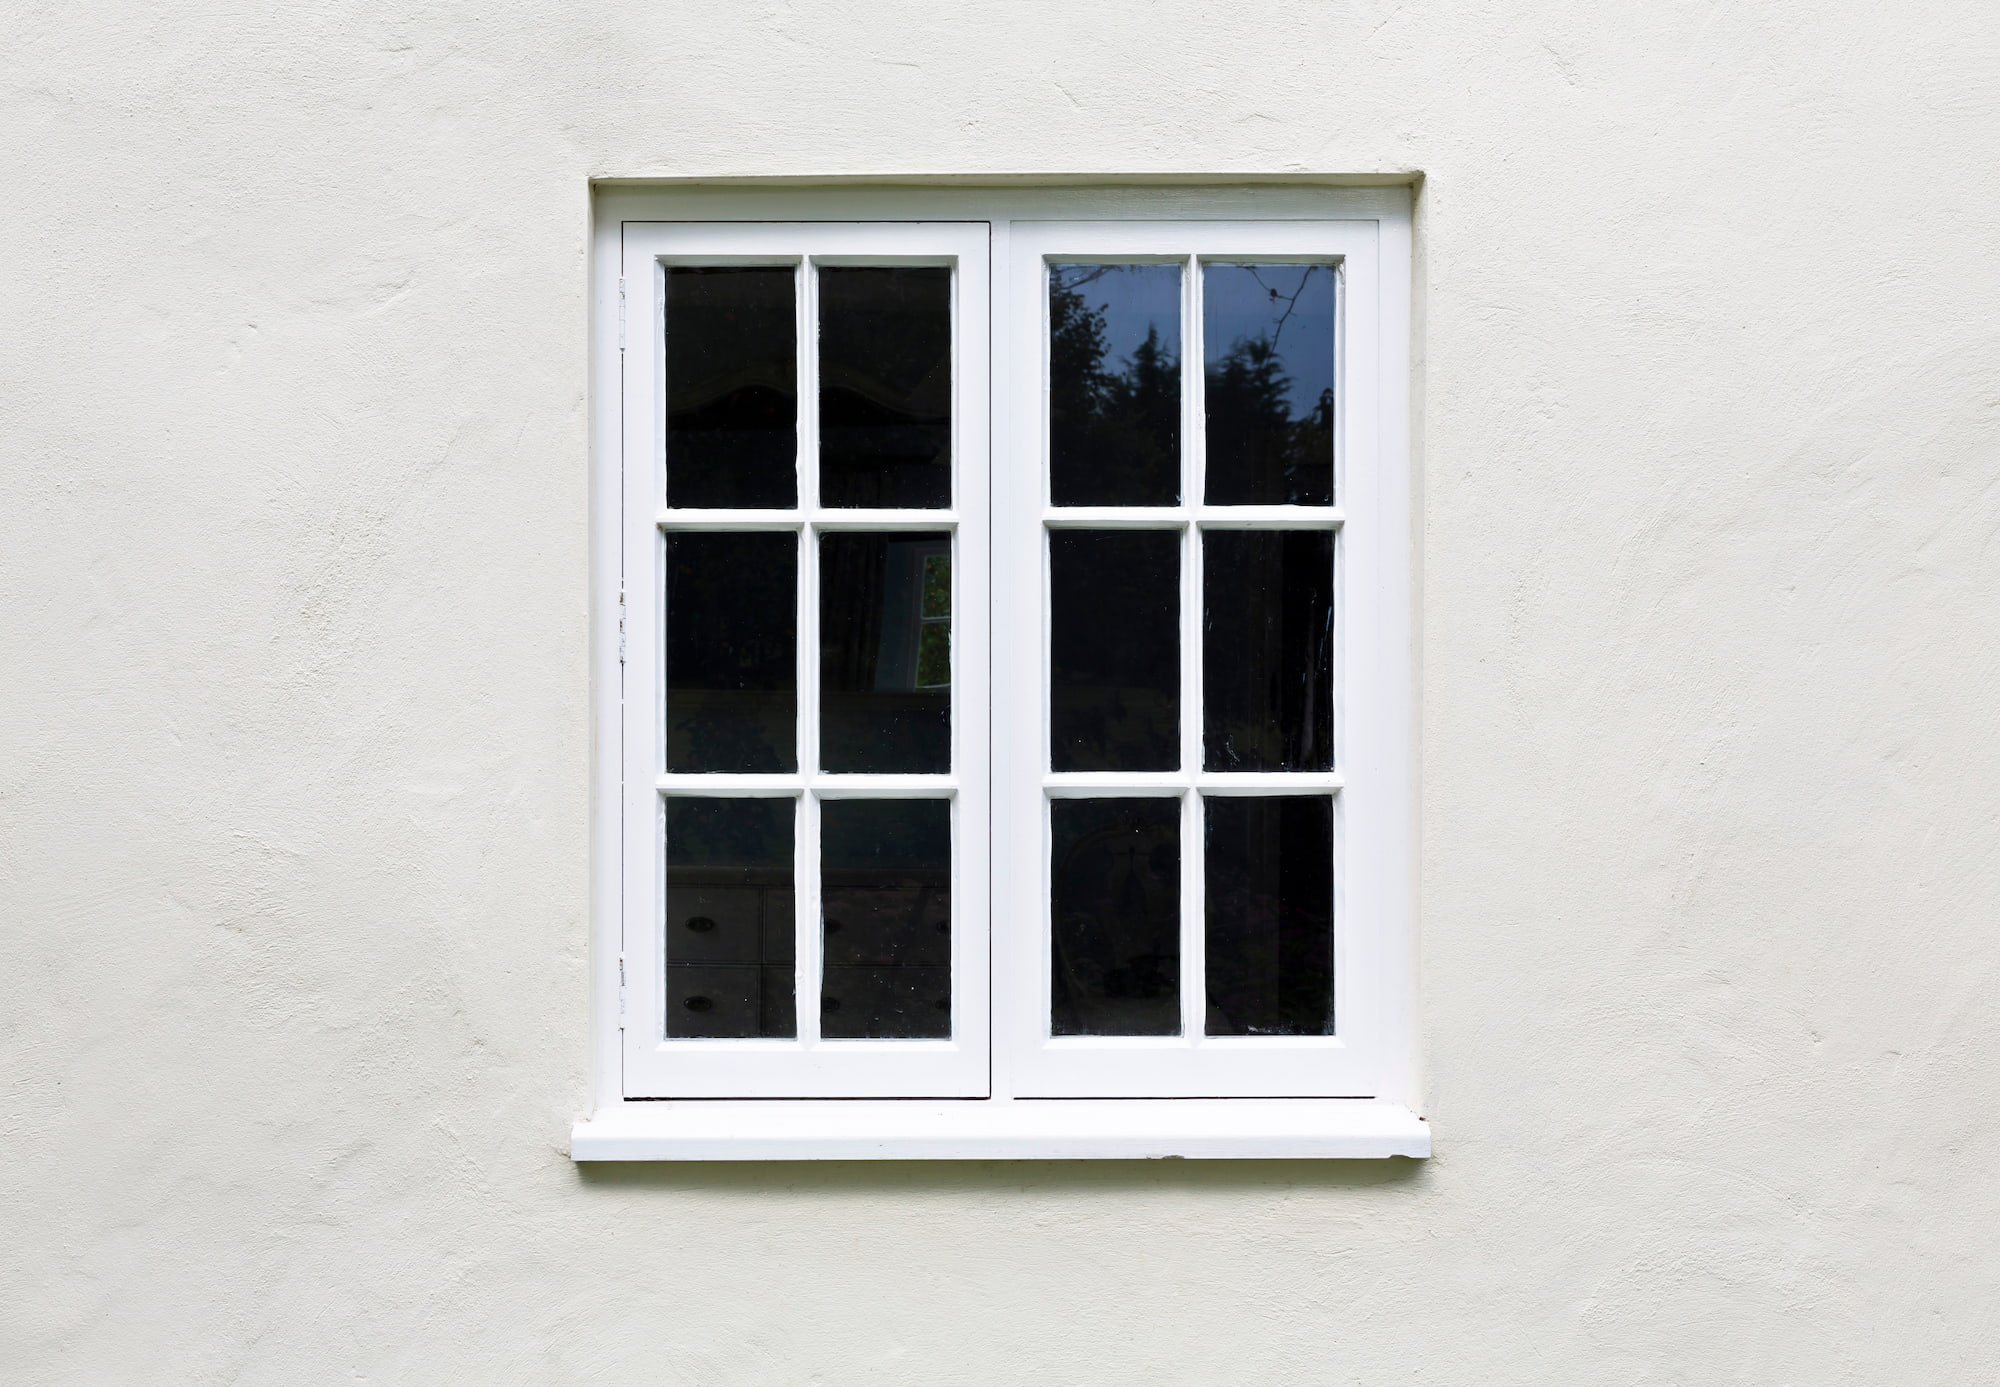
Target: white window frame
{"x": 1354, "y": 1094}
{"x": 807, "y": 1066}
{"x": 1191, "y": 1064}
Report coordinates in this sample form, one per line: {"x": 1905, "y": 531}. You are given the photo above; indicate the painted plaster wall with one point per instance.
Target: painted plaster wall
{"x": 293, "y": 740}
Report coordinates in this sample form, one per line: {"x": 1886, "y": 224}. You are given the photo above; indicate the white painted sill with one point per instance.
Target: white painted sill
{"x": 1000, "y": 1129}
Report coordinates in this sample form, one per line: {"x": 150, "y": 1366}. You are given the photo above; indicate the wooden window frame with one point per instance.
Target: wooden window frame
{"x": 1002, "y": 1087}
{"x": 655, "y": 1067}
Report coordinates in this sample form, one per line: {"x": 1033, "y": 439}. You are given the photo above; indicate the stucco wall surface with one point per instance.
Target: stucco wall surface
{"x": 294, "y": 737}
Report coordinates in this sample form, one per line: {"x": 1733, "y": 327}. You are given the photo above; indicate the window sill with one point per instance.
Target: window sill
{"x": 1001, "y": 1129}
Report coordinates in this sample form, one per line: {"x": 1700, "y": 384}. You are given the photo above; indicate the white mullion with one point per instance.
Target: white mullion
{"x": 1003, "y": 704}
{"x": 1193, "y": 971}
{"x": 806, "y": 890}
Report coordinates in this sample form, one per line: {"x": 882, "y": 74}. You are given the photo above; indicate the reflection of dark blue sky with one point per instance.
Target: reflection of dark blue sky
{"x": 1132, "y": 298}
{"x": 1237, "y": 302}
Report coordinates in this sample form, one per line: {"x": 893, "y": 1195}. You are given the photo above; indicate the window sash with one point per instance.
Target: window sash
{"x": 1354, "y": 1061}
{"x": 807, "y": 1066}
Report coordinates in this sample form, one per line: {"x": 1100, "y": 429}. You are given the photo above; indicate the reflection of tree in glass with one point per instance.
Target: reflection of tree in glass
{"x": 1114, "y": 435}
{"x": 1264, "y": 447}
{"x": 1253, "y": 435}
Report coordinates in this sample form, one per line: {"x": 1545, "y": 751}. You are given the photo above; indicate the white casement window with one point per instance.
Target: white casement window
{"x": 805, "y": 718}
{"x": 1005, "y": 734}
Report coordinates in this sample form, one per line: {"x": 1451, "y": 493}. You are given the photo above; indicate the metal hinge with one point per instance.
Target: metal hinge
{"x": 621, "y": 626}
{"x": 621, "y": 315}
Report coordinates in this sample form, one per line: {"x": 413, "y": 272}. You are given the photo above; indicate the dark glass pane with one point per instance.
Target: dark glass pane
{"x": 1115, "y": 650}
{"x": 1115, "y": 873}
{"x": 1267, "y": 345}
{"x": 1270, "y": 915}
{"x": 885, "y": 869}
{"x": 732, "y": 387}
{"x": 885, "y": 652}
{"x": 729, "y": 918}
{"x": 732, "y": 637}
{"x": 885, "y": 387}
{"x": 1115, "y": 385}
{"x": 1267, "y": 650}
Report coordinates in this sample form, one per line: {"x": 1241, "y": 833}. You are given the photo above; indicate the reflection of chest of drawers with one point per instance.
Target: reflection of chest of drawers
{"x": 730, "y": 941}
{"x": 888, "y": 959}
{"x": 731, "y": 950}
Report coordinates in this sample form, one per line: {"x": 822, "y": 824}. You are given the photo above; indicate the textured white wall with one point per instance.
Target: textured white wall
{"x": 293, "y": 739}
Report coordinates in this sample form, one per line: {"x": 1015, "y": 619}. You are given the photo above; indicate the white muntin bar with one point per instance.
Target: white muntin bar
{"x": 1086, "y": 784}
{"x": 806, "y": 894}
{"x": 1089, "y": 784}
{"x": 1269, "y": 517}
{"x": 1116, "y": 517}
{"x": 884, "y": 520}
{"x": 885, "y": 786}
{"x": 725, "y": 786}
{"x": 1209, "y": 517}
{"x": 1268, "y": 782}
{"x": 688, "y": 518}
{"x": 821, "y": 520}
{"x": 1194, "y": 471}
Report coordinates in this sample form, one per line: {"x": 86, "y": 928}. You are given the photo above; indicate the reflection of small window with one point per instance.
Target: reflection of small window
{"x": 934, "y": 610}
{"x": 955, "y": 786}
{"x": 916, "y": 617}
